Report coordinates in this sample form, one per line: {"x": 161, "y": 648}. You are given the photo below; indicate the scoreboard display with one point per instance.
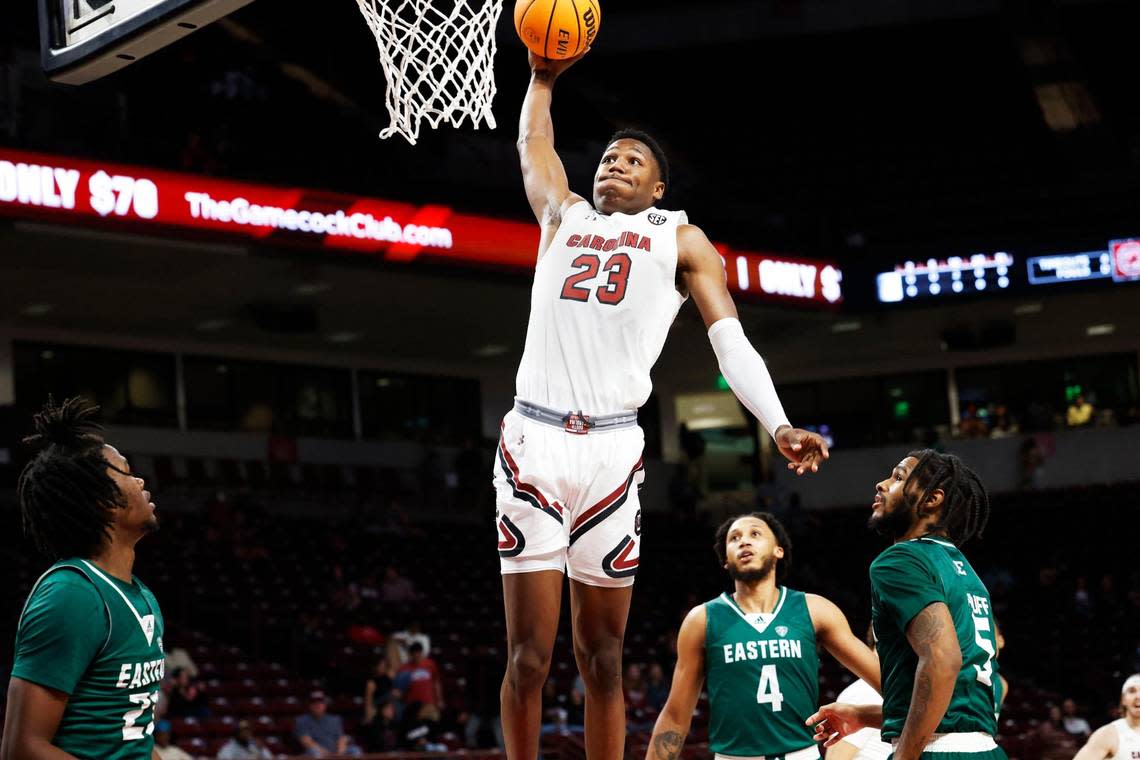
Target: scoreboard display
{"x": 935, "y": 278}
{"x": 982, "y": 274}
{"x": 1069, "y": 267}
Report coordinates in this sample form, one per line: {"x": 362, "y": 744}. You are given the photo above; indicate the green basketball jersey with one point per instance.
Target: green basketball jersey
{"x": 99, "y": 640}
{"x": 763, "y": 676}
{"x": 905, "y": 579}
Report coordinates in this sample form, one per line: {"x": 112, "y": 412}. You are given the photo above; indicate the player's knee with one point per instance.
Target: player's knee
{"x": 600, "y": 664}
{"x": 527, "y": 667}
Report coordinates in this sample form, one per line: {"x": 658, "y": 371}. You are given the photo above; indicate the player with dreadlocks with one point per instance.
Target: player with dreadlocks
{"x": 932, "y": 618}
{"x": 89, "y": 659}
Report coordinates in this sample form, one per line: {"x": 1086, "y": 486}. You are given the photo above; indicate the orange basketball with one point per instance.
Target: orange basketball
{"x": 557, "y": 29}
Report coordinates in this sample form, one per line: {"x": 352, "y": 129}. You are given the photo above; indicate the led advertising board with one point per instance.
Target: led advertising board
{"x": 153, "y": 201}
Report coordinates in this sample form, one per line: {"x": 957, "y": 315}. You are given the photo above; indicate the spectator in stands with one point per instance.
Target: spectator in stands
{"x": 656, "y": 688}
{"x": 368, "y": 589}
{"x": 1031, "y": 460}
{"x": 379, "y": 689}
{"x": 408, "y": 636}
{"x": 1080, "y": 412}
{"x": 162, "y": 746}
{"x": 382, "y": 733}
{"x": 1003, "y": 425}
{"x": 320, "y": 733}
{"x": 187, "y": 696}
{"x": 243, "y": 745}
{"x": 634, "y": 687}
{"x": 1074, "y": 725}
{"x": 972, "y": 425}
{"x": 178, "y": 658}
{"x": 421, "y": 727}
{"x": 421, "y": 676}
{"x": 396, "y": 588}
{"x": 1056, "y": 743}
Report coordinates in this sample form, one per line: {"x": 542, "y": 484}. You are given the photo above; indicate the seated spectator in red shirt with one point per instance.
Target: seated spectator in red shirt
{"x": 418, "y": 679}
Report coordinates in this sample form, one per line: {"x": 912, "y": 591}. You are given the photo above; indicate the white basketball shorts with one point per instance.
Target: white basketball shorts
{"x": 568, "y": 502}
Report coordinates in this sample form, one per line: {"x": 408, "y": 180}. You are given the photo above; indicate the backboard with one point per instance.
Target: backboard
{"x": 83, "y": 40}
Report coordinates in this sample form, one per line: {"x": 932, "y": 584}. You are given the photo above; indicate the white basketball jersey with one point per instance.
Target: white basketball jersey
{"x": 1127, "y": 741}
{"x": 603, "y": 298}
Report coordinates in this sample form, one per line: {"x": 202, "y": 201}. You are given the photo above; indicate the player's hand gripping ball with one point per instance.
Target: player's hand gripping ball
{"x": 557, "y": 29}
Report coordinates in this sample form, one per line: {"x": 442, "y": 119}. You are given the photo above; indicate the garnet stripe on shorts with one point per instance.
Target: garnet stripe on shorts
{"x": 525, "y": 491}
{"x": 604, "y": 508}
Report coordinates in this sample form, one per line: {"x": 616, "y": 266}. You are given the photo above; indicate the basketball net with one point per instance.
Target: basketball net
{"x": 438, "y": 62}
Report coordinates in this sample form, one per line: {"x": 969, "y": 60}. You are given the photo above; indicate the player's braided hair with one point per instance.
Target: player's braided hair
{"x": 65, "y": 492}
{"x": 965, "y": 506}
{"x": 647, "y": 140}
{"x": 783, "y": 540}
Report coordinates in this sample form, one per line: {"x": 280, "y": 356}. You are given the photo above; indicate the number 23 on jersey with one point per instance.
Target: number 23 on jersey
{"x": 611, "y": 292}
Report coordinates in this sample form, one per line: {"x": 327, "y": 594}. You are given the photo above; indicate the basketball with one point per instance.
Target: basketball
{"x": 557, "y": 29}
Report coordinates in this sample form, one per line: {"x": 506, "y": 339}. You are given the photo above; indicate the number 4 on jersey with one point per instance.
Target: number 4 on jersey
{"x": 768, "y": 692}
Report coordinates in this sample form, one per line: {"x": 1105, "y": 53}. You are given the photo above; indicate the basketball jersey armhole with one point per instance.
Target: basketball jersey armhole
{"x": 561, "y": 224}
{"x": 682, "y": 219}
{"x": 570, "y": 210}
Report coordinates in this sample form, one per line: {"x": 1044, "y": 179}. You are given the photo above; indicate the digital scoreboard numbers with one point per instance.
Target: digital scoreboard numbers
{"x": 944, "y": 279}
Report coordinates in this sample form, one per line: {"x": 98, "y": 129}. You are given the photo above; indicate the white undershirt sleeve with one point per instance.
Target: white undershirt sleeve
{"x": 746, "y": 373}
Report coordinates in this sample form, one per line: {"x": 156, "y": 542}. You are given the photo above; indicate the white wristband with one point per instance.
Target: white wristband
{"x": 746, "y": 373}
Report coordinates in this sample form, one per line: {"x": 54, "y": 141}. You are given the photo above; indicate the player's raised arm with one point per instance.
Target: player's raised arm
{"x": 1101, "y": 745}
{"x": 834, "y": 633}
{"x": 673, "y": 723}
{"x": 31, "y": 721}
{"x": 702, "y": 273}
{"x": 544, "y": 177}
